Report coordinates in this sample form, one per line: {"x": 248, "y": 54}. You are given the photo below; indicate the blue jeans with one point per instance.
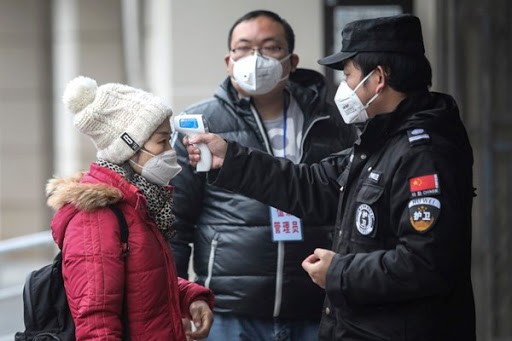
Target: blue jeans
{"x": 231, "y": 328}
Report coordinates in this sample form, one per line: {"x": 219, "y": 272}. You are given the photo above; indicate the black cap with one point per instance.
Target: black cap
{"x": 396, "y": 34}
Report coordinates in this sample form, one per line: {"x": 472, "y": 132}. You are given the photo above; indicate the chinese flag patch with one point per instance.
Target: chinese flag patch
{"x": 424, "y": 183}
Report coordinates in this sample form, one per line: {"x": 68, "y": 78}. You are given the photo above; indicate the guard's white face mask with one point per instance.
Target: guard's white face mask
{"x": 161, "y": 168}
{"x": 349, "y": 105}
{"x": 257, "y": 74}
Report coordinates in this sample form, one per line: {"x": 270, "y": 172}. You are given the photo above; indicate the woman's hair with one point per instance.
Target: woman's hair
{"x": 404, "y": 73}
{"x": 288, "y": 31}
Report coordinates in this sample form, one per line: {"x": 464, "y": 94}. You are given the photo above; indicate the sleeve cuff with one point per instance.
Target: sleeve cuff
{"x": 228, "y": 175}
{"x": 334, "y": 281}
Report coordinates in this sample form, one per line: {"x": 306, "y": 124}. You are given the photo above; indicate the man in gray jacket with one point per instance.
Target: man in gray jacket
{"x": 248, "y": 253}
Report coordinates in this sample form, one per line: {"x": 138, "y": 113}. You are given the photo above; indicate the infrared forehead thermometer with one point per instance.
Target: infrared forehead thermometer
{"x": 191, "y": 125}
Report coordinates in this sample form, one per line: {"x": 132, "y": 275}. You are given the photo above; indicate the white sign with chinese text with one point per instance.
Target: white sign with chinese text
{"x": 285, "y": 226}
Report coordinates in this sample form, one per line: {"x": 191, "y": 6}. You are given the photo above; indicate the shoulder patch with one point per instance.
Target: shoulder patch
{"x": 423, "y": 213}
{"x": 418, "y": 136}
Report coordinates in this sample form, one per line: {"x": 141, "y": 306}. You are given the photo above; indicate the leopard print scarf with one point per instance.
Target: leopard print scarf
{"x": 159, "y": 198}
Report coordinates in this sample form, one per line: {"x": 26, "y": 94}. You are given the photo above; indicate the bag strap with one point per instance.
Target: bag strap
{"x": 123, "y": 226}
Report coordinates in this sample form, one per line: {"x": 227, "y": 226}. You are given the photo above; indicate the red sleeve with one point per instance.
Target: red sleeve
{"x": 190, "y": 292}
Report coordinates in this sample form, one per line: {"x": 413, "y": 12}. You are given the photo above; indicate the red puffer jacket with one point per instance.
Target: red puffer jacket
{"x": 98, "y": 280}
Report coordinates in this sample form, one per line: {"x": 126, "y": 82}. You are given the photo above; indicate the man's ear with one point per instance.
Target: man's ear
{"x": 294, "y": 61}
{"x": 226, "y": 60}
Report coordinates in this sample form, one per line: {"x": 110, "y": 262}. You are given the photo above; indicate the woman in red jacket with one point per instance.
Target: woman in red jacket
{"x": 138, "y": 297}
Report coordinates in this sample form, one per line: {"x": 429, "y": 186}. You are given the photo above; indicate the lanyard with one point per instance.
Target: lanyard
{"x": 285, "y": 115}
{"x": 285, "y": 227}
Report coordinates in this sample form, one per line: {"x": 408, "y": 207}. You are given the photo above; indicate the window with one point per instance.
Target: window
{"x": 337, "y": 13}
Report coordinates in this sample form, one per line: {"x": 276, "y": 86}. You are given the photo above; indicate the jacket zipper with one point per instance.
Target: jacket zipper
{"x": 279, "y": 279}
{"x": 211, "y": 259}
{"x": 172, "y": 296}
{"x": 262, "y": 130}
{"x": 280, "y": 247}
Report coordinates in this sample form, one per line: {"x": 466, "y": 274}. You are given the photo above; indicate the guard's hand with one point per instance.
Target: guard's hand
{"x": 316, "y": 265}
{"x": 217, "y": 145}
{"x": 202, "y": 318}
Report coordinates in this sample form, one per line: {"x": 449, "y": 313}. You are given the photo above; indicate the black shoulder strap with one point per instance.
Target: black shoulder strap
{"x": 123, "y": 226}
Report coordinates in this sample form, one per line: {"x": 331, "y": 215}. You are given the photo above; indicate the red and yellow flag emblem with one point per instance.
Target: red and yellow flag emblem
{"x": 424, "y": 183}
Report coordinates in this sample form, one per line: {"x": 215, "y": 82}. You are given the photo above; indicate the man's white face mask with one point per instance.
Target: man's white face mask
{"x": 257, "y": 74}
{"x": 349, "y": 105}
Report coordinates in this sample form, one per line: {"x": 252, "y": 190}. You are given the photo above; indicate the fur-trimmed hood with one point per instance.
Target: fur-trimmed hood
{"x": 87, "y": 192}
{"x": 84, "y": 196}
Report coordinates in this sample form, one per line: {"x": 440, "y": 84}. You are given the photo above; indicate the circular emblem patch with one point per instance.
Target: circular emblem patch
{"x": 365, "y": 219}
{"x": 423, "y": 213}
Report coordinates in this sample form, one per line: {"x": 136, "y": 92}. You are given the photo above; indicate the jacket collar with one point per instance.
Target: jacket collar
{"x": 428, "y": 110}
{"x": 306, "y": 86}
{"x": 91, "y": 190}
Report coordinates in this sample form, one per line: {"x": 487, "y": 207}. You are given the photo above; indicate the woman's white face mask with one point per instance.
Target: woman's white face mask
{"x": 257, "y": 74}
{"x": 161, "y": 168}
{"x": 349, "y": 105}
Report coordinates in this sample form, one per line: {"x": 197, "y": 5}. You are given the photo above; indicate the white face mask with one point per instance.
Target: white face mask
{"x": 161, "y": 168}
{"x": 257, "y": 74}
{"x": 350, "y": 106}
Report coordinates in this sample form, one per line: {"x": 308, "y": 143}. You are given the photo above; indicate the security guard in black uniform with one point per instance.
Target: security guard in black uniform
{"x": 402, "y": 196}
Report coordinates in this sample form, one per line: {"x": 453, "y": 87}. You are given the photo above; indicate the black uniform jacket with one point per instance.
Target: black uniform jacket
{"x": 234, "y": 254}
{"x": 402, "y": 199}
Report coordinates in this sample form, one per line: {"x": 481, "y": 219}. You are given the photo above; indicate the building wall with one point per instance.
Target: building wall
{"x": 44, "y": 44}
{"x": 199, "y": 38}
{"x": 25, "y": 125}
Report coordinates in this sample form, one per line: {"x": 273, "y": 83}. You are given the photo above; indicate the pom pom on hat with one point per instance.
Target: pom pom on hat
{"x": 119, "y": 119}
{"x": 79, "y": 93}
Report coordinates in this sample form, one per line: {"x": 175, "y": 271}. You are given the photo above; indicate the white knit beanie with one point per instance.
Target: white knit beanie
{"x": 118, "y": 118}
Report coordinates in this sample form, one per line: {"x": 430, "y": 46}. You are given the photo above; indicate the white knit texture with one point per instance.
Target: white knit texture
{"x": 108, "y": 112}
{"x": 79, "y": 93}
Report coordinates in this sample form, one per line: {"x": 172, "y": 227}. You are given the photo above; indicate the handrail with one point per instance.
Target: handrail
{"x": 26, "y": 241}
{"x": 43, "y": 238}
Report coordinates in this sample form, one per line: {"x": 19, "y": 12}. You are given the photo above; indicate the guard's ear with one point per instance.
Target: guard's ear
{"x": 381, "y": 80}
